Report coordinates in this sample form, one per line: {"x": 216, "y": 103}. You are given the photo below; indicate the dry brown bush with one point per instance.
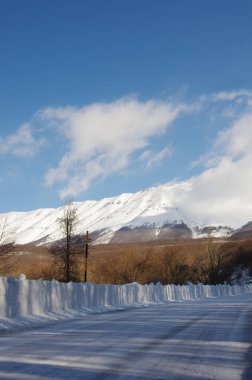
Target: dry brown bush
{"x": 167, "y": 262}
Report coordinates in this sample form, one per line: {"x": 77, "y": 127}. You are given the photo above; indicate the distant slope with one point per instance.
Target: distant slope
{"x": 155, "y": 213}
{"x": 243, "y": 232}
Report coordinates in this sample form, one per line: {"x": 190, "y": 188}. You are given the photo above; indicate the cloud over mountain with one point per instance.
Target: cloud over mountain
{"x": 222, "y": 192}
{"x": 22, "y": 143}
{"x": 103, "y": 137}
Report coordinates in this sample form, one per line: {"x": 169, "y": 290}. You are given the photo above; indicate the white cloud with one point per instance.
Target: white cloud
{"x": 232, "y": 143}
{"x": 22, "y": 143}
{"x": 232, "y": 102}
{"x": 232, "y": 95}
{"x": 222, "y": 192}
{"x": 152, "y": 158}
{"x": 102, "y": 138}
{"x": 105, "y": 138}
{"x": 236, "y": 141}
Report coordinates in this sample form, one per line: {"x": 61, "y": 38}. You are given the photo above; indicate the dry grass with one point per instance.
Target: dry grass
{"x": 163, "y": 261}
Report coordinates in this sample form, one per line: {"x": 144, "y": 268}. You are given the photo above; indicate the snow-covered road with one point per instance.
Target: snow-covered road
{"x": 208, "y": 339}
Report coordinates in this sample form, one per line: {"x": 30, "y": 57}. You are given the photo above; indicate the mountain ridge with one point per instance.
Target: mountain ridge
{"x": 155, "y": 212}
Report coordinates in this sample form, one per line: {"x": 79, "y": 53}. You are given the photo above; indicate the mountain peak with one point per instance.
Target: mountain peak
{"x": 161, "y": 210}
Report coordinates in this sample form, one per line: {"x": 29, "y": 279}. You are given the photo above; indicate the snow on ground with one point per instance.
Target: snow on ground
{"x": 27, "y": 302}
{"x": 203, "y": 339}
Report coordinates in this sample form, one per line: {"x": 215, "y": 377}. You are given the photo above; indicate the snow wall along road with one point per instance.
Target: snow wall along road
{"x": 24, "y": 298}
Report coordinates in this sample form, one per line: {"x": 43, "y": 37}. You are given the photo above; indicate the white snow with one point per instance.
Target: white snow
{"x": 207, "y": 339}
{"x": 155, "y": 206}
{"x": 191, "y": 332}
{"x": 25, "y": 301}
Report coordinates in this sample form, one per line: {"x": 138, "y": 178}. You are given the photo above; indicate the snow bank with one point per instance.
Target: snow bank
{"x": 28, "y": 301}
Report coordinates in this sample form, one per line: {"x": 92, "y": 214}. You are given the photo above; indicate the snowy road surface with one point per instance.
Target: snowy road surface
{"x": 208, "y": 339}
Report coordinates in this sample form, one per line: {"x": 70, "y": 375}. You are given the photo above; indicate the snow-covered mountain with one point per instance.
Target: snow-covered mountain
{"x": 155, "y": 213}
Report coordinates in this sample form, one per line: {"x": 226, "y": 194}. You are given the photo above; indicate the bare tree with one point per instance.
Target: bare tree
{"x": 68, "y": 252}
{"x": 7, "y": 248}
{"x": 174, "y": 268}
{"x": 210, "y": 268}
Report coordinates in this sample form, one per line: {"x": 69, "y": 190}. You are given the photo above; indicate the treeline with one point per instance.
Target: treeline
{"x": 208, "y": 261}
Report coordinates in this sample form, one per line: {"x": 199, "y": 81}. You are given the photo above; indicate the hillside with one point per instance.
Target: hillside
{"x": 156, "y": 213}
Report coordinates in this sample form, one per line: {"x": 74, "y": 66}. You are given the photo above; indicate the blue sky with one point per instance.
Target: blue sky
{"x": 103, "y": 97}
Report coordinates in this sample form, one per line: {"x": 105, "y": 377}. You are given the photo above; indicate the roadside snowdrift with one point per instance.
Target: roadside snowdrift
{"x": 24, "y": 302}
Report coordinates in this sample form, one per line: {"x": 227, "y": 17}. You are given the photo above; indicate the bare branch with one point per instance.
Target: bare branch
{"x": 7, "y": 247}
{"x": 67, "y": 251}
